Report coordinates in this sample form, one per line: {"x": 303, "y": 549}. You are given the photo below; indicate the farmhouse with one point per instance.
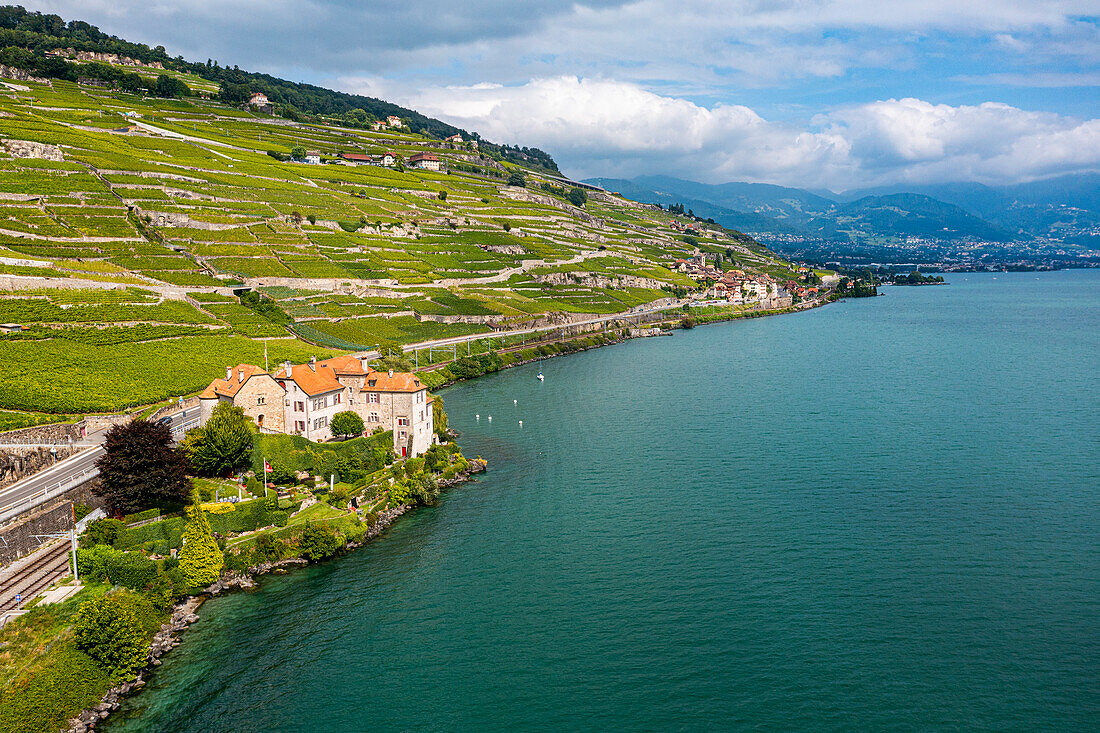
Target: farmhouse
{"x": 360, "y": 158}
{"x": 425, "y": 161}
{"x": 394, "y": 121}
{"x": 389, "y": 159}
{"x": 313, "y": 157}
{"x": 302, "y": 399}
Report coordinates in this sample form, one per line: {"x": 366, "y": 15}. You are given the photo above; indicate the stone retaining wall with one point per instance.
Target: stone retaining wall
{"x": 54, "y": 433}
{"x": 18, "y": 538}
{"x": 17, "y": 463}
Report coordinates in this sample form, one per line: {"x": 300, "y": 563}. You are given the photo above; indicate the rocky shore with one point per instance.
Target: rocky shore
{"x": 183, "y": 613}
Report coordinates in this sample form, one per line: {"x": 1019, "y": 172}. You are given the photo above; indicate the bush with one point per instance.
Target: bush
{"x": 317, "y": 542}
{"x": 108, "y": 630}
{"x": 102, "y": 532}
{"x": 106, "y": 564}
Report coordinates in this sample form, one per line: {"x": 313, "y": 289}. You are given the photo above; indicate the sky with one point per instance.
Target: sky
{"x": 818, "y": 94}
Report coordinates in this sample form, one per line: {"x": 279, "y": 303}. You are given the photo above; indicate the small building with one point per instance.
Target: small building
{"x": 389, "y": 160}
{"x": 424, "y": 161}
{"x": 258, "y": 100}
{"x": 12, "y": 327}
{"x": 313, "y": 157}
{"x": 253, "y": 390}
{"x": 378, "y": 126}
{"x": 456, "y": 138}
{"x": 360, "y": 158}
{"x": 394, "y": 121}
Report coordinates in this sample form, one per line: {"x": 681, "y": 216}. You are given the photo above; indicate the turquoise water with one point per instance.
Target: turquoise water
{"x": 879, "y": 515}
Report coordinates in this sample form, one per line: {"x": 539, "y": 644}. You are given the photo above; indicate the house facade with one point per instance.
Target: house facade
{"x": 313, "y": 157}
{"x": 253, "y": 390}
{"x": 424, "y": 161}
{"x": 302, "y": 399}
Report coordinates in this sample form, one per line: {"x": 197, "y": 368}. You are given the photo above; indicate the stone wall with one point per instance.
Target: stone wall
{"x": 18, "y": 538}
{"x": 55, "y": 433}
{"x": 94, "y": 423}
{"x": 18, "y": 463}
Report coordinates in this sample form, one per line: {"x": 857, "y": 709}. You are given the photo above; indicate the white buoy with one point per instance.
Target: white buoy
{"x": 490, "y": 418}
{"x": 477, "y": 417}
{"x": 516, "y": 402}
{"x": 521, "y": 423}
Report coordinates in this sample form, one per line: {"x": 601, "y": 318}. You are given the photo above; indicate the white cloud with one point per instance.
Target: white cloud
{"x": 604, "y": 127}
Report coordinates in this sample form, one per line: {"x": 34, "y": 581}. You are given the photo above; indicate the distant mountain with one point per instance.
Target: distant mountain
{"x": 1060, "y": 210}
{"x": 907, "y": 214}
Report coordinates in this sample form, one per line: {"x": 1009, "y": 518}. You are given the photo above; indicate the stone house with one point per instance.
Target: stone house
{"x": 313, "y": 396}
{"x": 306, "y": 397}
{"x": 251, "y": 389}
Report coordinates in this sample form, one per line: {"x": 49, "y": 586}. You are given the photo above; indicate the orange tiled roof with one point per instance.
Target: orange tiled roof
{"x": 399, "y": 382}
{"x": 312, "y": 381}
{"x": 344, "y": 365}
{"x": 230, "y": 387}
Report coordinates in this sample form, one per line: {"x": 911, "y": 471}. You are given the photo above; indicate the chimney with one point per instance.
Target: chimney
{"x": 286, "y": 366}
{"x": 313, "y": 363}
{"x": 229, "y": 374}
{"x": 240, "y": 375}
{"x": 391, "y": 373}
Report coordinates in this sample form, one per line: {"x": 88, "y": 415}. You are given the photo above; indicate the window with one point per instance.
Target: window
{"x": 299, "y": 406}
{"x": 402, "y": 421}
{"x": 320, "y": 423}
{"x": 259, "y": 400}
{"x": 373, "y": 417}
{"x": 300, "y": 426}
{"x": 372, "y": 398}
{"x": 336, "y": 399}
{"x": 320, "y": 404}
{"x": 402, "y": 435}
{"x": 419, "y": 396}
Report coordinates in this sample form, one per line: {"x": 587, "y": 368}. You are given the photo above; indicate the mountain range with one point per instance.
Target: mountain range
{"x": 1063, "y": 210}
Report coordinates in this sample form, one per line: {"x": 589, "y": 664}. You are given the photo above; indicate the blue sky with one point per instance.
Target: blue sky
{"x": 812, "y": 93}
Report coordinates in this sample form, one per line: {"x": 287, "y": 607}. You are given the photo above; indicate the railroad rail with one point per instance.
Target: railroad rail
{"x": 26, "y": 580}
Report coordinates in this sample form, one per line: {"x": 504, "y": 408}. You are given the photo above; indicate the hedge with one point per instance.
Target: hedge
{"x": 168, "y": 530}
{"x": 104, "y": 563}
{"x": 70, "y": 681}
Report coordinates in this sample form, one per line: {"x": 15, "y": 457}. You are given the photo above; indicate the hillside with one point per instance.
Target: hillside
{"x": 128, "y": 223}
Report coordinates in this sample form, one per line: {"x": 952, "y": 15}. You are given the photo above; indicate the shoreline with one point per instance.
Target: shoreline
{"x": 183, "y": 613}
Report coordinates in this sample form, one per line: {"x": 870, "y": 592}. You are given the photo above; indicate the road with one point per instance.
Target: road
{"x": 71, "y": 472}
{"x": 660, "y": 305}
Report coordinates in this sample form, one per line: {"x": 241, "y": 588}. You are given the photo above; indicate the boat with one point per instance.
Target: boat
{"x": 540, "y": 377}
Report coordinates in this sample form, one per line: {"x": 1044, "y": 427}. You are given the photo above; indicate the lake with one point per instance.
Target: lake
{"x": 883, "y": 514}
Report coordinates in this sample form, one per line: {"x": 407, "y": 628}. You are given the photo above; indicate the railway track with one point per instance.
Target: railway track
{"x": 33, "y": 575}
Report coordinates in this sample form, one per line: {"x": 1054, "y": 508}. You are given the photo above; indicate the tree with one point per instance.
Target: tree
{"x": 108, "y": 631}
{"x": 515, "y": 178}
{"x": 170, "y": 87}
{"x": 577, "y": 196}
{"x": 439, "y": 416}
{"x": 141, "y": 469}
{"x": 223, "y": 444}
{"x": 298, "y": 152}
{"x": 346, "y": 424}
{"x": 200, "y": 558}
{"x": 442, "y": 195}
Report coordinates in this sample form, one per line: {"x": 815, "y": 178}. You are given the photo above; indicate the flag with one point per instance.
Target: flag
{"x": 267, "y": 466}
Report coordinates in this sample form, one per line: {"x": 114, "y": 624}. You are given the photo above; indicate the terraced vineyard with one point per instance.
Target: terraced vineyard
{"x": 126, "y": 223}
